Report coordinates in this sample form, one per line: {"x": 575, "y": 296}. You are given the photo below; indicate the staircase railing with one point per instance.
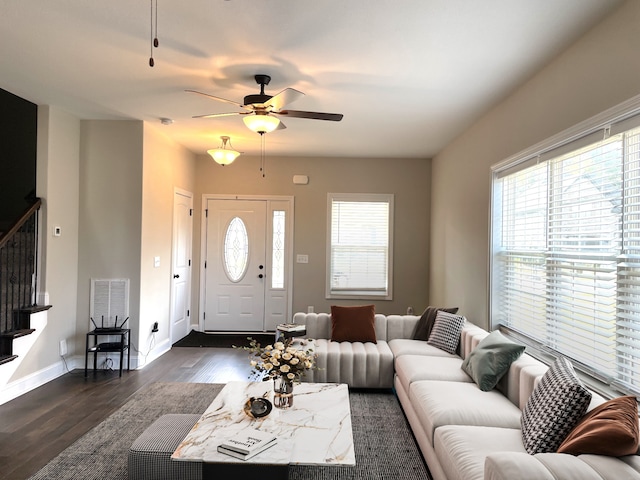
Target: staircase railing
{"x": 18, "y": 268}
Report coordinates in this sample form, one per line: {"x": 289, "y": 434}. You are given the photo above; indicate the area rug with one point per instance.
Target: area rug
{"x": 384, "y": 445}
{"x": 222, "y": 340}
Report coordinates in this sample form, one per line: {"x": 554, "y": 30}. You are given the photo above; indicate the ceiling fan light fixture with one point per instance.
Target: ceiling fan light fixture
{"x": 261, "y": 123}
{"x": 222, "y": 154}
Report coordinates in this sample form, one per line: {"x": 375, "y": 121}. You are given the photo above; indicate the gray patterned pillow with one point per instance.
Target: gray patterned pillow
{"x": 445, "y": 334}
{"x": 556, "y": 405}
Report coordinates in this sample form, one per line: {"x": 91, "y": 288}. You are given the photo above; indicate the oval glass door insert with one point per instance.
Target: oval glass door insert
{"x": 236, "y": 250}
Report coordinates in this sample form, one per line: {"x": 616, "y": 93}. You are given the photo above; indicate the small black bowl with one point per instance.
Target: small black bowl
{"x": 258, "y": 407}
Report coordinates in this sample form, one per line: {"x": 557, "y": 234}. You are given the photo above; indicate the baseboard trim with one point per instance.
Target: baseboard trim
{"x": 30, "y": 382}
{"x": 142, "y": 361}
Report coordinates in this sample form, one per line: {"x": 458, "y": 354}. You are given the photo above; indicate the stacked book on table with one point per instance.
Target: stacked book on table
{"x": 291, "y": 327}
{"x": 248, "y": 443}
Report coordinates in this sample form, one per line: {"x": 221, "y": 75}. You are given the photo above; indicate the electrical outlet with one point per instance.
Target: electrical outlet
{"x": 155, "y": 327}
{"x": 63, "y": 348}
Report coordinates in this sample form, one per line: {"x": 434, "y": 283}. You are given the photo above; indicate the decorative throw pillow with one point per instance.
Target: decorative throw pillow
{"x": 353, "y": 324}
{"x": 445, "y": 334}
{"x": 609, "y": 429}
{"x": 556, "y": 405}
{"x": 491, "y": 359}
{"x": 425, "y": 324}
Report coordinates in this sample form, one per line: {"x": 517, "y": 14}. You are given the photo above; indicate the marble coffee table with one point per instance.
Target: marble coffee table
{"x": 315, "y": 431}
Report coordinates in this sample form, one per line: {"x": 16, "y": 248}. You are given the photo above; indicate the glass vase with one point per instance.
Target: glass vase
{"x": 282, "y": 392}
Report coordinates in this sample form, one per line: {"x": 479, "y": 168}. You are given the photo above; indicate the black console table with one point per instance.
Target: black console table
{"x": 124, "y": 343}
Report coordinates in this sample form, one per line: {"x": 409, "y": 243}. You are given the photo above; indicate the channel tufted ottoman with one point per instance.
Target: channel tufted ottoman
{"x": 150, "y": 454}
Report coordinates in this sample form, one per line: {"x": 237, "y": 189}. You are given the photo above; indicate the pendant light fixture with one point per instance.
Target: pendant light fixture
{"x": 222, "y": 154}
{"x": 261, "y": 123}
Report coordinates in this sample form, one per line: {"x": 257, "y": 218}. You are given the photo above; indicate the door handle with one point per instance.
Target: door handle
{"x": 260, "y": 276}
{"x": 176, "y": 276}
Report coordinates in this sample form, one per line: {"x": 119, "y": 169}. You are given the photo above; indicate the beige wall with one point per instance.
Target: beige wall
{"x": 166, "y": 165}
{"x": 600, "y": 71}
{"x": 408, "y": 179}
{"x": 110, "y": 215}
{"x": 57, "y": 185}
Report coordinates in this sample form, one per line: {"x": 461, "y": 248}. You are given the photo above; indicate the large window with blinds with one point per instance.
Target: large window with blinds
{"x": 565, "y": 261}
{"x": 359, "y": 245}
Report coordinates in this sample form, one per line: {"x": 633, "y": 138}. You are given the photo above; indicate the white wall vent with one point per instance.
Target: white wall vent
{"x": 109, "y": 299}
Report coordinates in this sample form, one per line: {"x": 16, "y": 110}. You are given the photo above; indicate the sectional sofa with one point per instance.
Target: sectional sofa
{"x": 464, "y": 433}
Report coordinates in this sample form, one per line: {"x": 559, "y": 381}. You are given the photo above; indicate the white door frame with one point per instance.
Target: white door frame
{"x": 189, "y": 195}
{"x": 203, "y": 244}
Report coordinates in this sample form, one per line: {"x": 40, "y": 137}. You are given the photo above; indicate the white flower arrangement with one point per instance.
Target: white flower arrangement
{"x": 280, "y": 359}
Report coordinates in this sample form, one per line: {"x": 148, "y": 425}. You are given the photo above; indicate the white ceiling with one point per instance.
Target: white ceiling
{"x": 408, "y": 75}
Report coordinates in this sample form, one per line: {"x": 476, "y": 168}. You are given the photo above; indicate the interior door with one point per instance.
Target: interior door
{"x": 235, "y": 265}
{"x": 181, "y": 265}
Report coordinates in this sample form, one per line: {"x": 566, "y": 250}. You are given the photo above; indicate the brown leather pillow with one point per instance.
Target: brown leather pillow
{"x": 353, "y": 324}
{"x": 609, "y": 429}
{"x": 428, "y": 318}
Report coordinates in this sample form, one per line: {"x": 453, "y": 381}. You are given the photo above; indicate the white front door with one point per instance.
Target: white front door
{"x": 235, "y": 265}
{"x": 181, "y": 265}
{"x": 247, "y": 247}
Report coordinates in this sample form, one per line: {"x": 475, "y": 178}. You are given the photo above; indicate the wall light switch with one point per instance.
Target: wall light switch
{"x": 302, "y": 258}
{"x": 57, "y": 231}
{"x": 156, "y": 262}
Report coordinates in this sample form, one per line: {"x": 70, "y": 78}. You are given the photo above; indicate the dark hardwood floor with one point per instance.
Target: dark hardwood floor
{"x": 37, "y": 426}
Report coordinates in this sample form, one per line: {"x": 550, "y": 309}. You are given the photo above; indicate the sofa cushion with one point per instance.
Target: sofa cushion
{"x": 360, "y": 365}
{"x": 491, "y": 359}
{"x": 521, "y": 379}
{"x": 403, "y": 346}
{"x": 353, "y": 324}
{"x": 412, "y": 368}
{"x": 425, "y": 324}
{"x": 543, "y": 466}
{"x": 439, "y": 403}
{"x": 470, "y": 337}
{"x": 446, "y": 331}
{"x": 462, "y": 449}
{"x": 556, "y": 405}
{"x": 611, "y": 467}
{"x": 609, "y": 429}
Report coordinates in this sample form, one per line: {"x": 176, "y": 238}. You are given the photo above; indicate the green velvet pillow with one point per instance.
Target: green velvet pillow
{"x": 490, "y": 360}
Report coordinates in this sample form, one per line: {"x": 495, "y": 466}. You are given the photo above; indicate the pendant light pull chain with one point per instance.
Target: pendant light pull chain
{"x": 262, "y": 155}
{"x": 153, "y": 37}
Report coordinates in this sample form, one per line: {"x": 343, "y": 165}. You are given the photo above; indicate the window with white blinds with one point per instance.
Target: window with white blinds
{"x": 565, "y": 261}
{"x": 359, "y": 245}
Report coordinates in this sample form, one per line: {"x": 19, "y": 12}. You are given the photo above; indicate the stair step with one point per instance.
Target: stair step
{"x": 17, "y": 333}
{"x": 7, "y": 358}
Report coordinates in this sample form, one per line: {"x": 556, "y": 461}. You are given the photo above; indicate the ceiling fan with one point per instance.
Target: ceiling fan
{"x": 262, "y": 110}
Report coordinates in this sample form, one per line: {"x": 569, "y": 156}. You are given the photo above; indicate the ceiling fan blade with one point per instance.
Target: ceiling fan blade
{"x": 281, "y": 126}
{"x": 220, "y": 99}
{"x": 213, "y": 115}
{"x": 283, "y": 98}
{"x": 333, "y": 117}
